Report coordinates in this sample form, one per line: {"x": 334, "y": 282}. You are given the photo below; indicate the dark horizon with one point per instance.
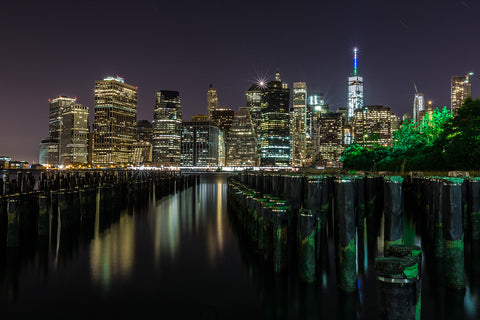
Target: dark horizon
{"x": 57, "y": 48}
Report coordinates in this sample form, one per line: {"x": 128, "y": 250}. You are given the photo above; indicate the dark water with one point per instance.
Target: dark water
{"x": 180, "y": 258}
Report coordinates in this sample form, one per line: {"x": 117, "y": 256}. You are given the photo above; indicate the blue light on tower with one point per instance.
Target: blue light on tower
{"x": 355, "y": 50}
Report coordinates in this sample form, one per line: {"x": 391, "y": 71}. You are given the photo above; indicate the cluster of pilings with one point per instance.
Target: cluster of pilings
{"x": 32, "y": 207}
{"x": 284, "y": 215}
{"x": 449, "y": 215}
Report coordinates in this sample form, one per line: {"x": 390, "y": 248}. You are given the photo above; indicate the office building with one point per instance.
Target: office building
{"x": 115, "y": 122}
{"x": 223, "y": 118}
{"x": 212, "y": 101}
{"x": 73, "y": 147}
{"x": 299, "y": 124}
{"x": 418, "y": 106}
{"x": 316, "y": 106}
{"x": 275, "y": 142}
{"x": 255, "y": 100}
{"x": 328, "y": 139}
{"x": 355, "y": 89}
{"x": 67, "y": 133}
{"x": 372, "y": 125}
{"x": 144, "y": 131}
{"x": 167, "y": 125}
{"x": 200, "y": 144}
{"x": 241, "y": 143}
{"x": 460, "y": 90}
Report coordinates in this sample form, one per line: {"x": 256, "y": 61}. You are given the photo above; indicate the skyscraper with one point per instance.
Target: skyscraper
{"x": 200, "y": 143}
{"x": 373, "y": 125}
{"x": 212, "y": 101}
{"x": 299, "y": 124}
{"x": 74, "y": 135}
{"x": 460, "y": 90}
{"x": 68, "y": 133}
{"x": 241, "y": 142}
{"x": 167, "y": 125}
{"x": 223, "y": 118}
{"x": 115, "y": 121}
{"x": 316, "y": 107}
{"x": 328, "y": 139}
{"x": 275, "y": 146}
{"x": 418, "y": 106}
{"x": 255, "y": 100}
{"x": 355, "y": 89}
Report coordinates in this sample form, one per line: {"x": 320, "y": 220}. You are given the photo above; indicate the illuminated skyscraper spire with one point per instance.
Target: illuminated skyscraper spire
{"x": 355, "y": 61}
{"x": 355, "y": 89}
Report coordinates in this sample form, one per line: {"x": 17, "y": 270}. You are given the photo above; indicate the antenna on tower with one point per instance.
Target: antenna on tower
{"x": 416, "y": 91}
{"x": 355, "y": 50}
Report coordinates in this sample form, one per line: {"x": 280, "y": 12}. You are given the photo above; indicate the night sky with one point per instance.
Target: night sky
{"x": 50, "y": 48}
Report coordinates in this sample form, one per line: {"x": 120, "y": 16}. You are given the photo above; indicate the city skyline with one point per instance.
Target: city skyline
{"x": 397, "y": 48}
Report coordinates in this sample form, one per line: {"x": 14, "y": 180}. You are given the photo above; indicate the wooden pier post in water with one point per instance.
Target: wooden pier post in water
{"x": 453, "y": 234}
{"x": 307, "y": 252}
{"x": 13, "y": 212}
{"x": 393, "y": 211}
{"x": 345, "y": 234}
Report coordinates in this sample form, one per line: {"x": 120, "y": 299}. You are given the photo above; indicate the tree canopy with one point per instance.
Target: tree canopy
{"x": 439, "y": 142}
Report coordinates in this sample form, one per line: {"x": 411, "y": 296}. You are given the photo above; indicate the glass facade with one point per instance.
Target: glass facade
{"x": 223, "y": 118}
{"x": 299, "y": 124}
{"x": 372, "y": 125}
{"x": 167, "y": 123}
{"x": 275, "y": 144}
{"x": 241, "y": 143}
{"x": 418, "y": 107}
{"x": 355, "y": 89}
{"x": 115, "y": 120}
{"x": 74, "y": 135}
{"x": 200, "y": 143}
{"x": 328, "y": 138}
{"x": 460, "y": 90}
{"x": 212, "y": 101}
{"x": 68, "y": 130}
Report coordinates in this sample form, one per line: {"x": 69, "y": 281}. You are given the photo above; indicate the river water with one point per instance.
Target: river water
{"x": 180, "y": 257}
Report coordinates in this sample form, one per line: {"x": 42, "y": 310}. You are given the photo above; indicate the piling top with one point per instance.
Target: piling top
{"x": 281, "y": 208}
{"x": 396, "y": 268}
{"x": 405, "y": 250}
{"x": 396, "y": 179}
{"x": 316, "y": 177}
{"x": 344, "y": 179}
{"x": 454, "y": 180}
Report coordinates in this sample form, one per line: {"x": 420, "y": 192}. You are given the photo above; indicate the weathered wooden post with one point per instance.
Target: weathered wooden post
{"x": 345, "y": 233}
{"x": 453, "y": 233}
{"x": 393, "y": 210}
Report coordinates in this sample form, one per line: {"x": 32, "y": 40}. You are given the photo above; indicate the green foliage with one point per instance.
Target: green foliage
{"x": 439, "y": 142}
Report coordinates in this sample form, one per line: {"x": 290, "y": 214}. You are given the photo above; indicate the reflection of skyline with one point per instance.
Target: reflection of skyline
{"x": 112, "y": 252}
{"x": 215, "y": 233}
{"x": 166, "y": 222}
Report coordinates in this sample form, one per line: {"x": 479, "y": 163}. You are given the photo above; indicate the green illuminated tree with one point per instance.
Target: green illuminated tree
{"x": 459, "y": 143}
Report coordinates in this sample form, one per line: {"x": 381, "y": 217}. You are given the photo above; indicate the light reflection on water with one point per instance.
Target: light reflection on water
{"x": 179, "y": 257}
{"x": 112, "y": 253}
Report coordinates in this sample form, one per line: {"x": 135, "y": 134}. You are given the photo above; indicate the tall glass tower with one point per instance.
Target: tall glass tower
{"x": 418, "y": 107}
{"x": 275, "y": 146}
{"x": 115, "y": 122}
{"x": 460, "y": 90}
{"x": 212, "y": 102}
{"x": 299, "y": 124}
{"x": 167, "y": 127}
{"x": 355, "y": 89}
